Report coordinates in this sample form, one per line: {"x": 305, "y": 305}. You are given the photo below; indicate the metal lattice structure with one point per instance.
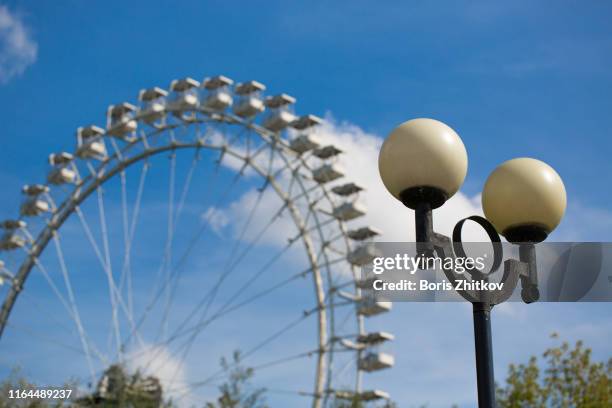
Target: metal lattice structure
{"x": 258, "y": 135}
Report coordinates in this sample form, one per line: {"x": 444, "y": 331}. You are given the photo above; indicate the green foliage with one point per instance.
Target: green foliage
{"x": 117, "y": 388}
{"x": 16, "y": 381}
{"x": 567, "y": 378}
{"x": 123, "y": 390}
{"x": 236, "y": 392}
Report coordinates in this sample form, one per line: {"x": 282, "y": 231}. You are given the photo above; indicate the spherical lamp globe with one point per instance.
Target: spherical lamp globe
{"x": 423, "y": 160}
{"x": 524, "y": 199}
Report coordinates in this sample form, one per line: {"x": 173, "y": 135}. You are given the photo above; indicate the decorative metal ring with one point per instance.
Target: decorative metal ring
{"x": 493, "y": 236}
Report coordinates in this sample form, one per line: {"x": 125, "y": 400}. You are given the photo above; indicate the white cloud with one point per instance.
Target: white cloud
{"x": 277, "y": 233}
{"x": 385, "y": 212}
{"x": 17, "y": 49}
{"x": 157, "y": 361}
{"x": 216, "y": 218}
{"x": 584, "y": 223}
{"x": 360, "y": 161}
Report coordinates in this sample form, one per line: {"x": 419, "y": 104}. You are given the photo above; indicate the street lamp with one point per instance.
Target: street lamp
{"x": 423, "y": 163}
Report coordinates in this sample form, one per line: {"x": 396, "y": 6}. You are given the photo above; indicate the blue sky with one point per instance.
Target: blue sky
{"x": 513, "y": 79}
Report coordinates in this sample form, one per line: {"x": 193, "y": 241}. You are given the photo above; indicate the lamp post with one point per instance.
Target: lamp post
{"x": 423, "y": 163}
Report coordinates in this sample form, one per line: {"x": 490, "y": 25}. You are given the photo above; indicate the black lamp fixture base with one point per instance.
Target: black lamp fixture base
{"x": 423, "y": 200}
{"x": 413, "y": 197}
{"x": 523, "y": 234}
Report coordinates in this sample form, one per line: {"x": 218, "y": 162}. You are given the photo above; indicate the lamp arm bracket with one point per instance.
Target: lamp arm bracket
{"x": 443, "y": 247}
{"x": 513, "y": 270}
{"x": 524, "y": 269}
{"x": 529, "y": 278}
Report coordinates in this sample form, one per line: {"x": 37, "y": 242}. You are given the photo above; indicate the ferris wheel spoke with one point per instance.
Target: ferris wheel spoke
{"x": 176, "y": 271}
{"x": 209, "y": 297}
{"x": 53, "y": 286}
{"x": 303, "y": 193}
{"x": 320, "y": 224}
{"x": 125, "y": 274}
{"x": 48, "y": 340}
{"x": 236, "y": 136}
{"x": 126, "y": 240}
{"x": 255, "y": 153}
{"x": 220, "y": 375}
{"x": 164, "y": 269}
{"x": 73, "y": 303}
{"x": 276, "y": 335}
{"x": 45, "y": 311}
{"x": 118, "y": 152}
{"x": 262, "y": 344}
{"x": 187, "y": 185}
{"x": 340, "y": 373}
{"x": 170, "y": 283}
{"x": 39, "y": 265}
{"x": 179, "y": 334}
{"x": 289, "y": 165}
{"x": 258, "y": 274}
{"x": 112, "y": 288}
{"x": 342, "y": 324}
{"x": 290, "y": 187}
{"x": 248, "y": 140}
{"x": 126, "y": 270}
{"x": 228, "y": 269}
{"x": 310, "y": 213}
{"x": 289, "y": 392}
{"x": 240, "y": 305}
{"x": 184, "y": 349}
{"x": 284, "y": 360}
{"x": 329, "y": 244}
{"x": 103, "y": 264}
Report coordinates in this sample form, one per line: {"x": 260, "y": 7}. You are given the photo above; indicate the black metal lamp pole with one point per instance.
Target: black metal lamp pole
{"x": 485, "y": 378}
{"x": 423, "y": 200}
{"x": 422, "y": 163}
{"x": 423, "y": 217}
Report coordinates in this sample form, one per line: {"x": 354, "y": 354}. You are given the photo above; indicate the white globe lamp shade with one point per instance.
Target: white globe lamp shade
{"x": 524, "y": 199}
{"x": 423, "y": 159}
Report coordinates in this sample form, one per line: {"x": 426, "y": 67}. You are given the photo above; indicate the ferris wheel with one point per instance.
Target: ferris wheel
{"x": 205, "y": 219}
